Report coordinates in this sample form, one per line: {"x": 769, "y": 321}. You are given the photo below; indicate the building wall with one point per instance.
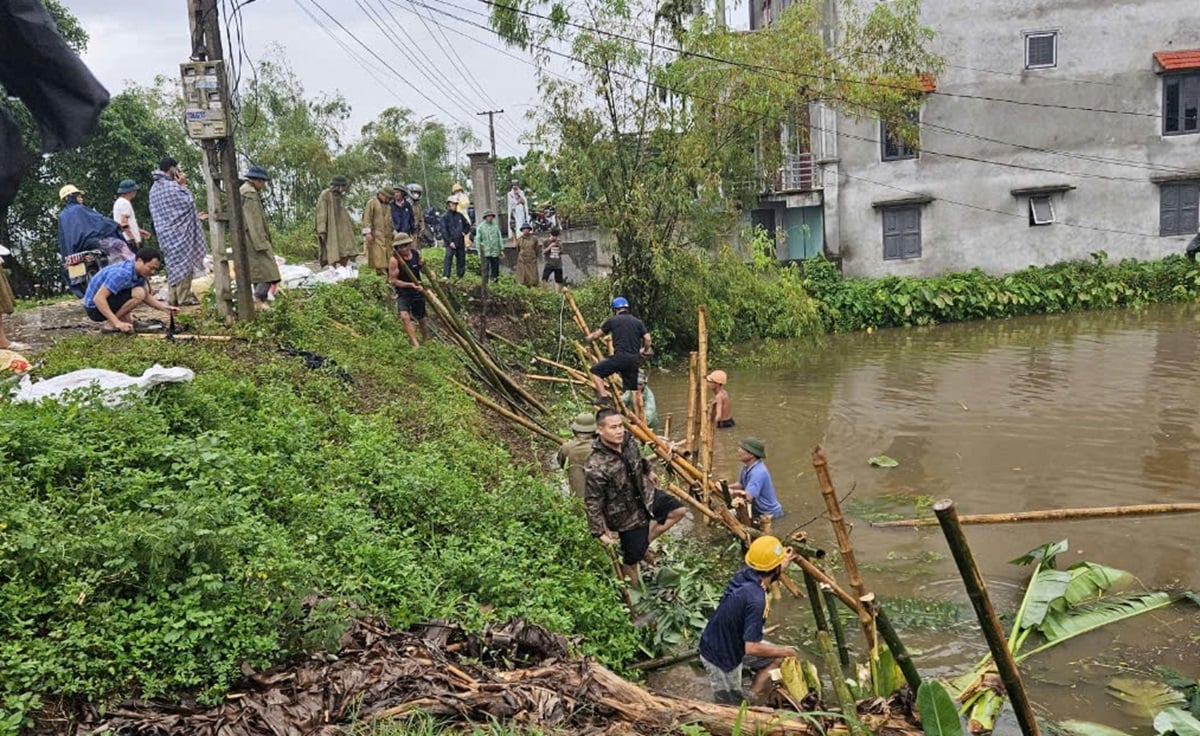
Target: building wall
{"x": 1104, "y": 62}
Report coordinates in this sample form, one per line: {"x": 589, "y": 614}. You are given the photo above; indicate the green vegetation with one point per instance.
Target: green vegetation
{"x": 242, "y": 517}
{"x": 850, "y": 304}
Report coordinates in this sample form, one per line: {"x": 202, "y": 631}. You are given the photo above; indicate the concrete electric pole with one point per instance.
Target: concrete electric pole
{"x": 491, "y": 115}
{"x": 208, "y": 100}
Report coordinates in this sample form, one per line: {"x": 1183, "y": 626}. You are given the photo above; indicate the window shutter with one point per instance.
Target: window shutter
{"x": 1168, "y": 210}
{"x": 1189, "y": 208}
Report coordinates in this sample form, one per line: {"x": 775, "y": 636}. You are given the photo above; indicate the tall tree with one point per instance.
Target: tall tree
{"x": 661, "y": 141}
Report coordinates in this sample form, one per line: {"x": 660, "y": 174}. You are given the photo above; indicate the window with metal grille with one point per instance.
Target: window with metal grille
{"x": 1041, "y": 50}
{"x": 892, "y": 146}
{"x": 1181, "y": 103}
{"x": 1179, "y": 208}
{"x": 901, "y": 232}
{"x": 1041, "y": 210}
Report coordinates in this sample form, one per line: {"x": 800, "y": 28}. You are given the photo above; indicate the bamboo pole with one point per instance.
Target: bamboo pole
{"x": 1092, "y": 512}
{"x": 572, "y": 372}
{"x": 692, "y": 430}
{"x": 658, "y": 664}
{"x": 848, "y": 705}
{"x": 845, "y": 548}
{"x": 621, "y": 581}
{"x": 839, "y": 631}
{"x": 704, "y": 456}
{"x": 897, "y": 648}
{"x": 667, "y": 425}
{"x": 554, "y": 379}
{"x": 817, "y": 602}
{"x": 535, "y": 428}
{"x": 977, "y": 591}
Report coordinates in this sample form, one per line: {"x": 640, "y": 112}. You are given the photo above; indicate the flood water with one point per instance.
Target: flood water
{"x": 1074, "y": 410}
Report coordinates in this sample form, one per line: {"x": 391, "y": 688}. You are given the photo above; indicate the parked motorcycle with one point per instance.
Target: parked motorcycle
{"x": 81, "y": 267}
{"x": 433, "y": 227}
{"x": 542, "y": 220}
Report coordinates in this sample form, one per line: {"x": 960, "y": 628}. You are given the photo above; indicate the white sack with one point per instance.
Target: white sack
{"x": 114, "y": 386}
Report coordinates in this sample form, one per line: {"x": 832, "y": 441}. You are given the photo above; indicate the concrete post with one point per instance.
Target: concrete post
{"x": 483, "y": 184}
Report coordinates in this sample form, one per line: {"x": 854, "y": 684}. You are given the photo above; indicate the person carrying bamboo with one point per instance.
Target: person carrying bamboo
{"x": 410, "y": 295}
{"x": 733, "y": 637}
{"x": 620, "y": 495}
{"x": 631, "y": 344}
{"x": 754, "y": 483}
{"x": 720, "y": 408}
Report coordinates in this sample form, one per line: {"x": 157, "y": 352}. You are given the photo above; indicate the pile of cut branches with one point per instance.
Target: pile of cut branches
{"x": 517, "y": 673}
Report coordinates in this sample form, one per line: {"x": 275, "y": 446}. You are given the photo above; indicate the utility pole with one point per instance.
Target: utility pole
{"x": 216, "y": 136}
{"x": 491, "y": 115}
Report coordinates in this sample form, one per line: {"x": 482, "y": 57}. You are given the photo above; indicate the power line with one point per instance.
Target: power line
{"x": 809, "y": 75}
{"x": 1163, "y": 168}
{"x": 863, "y": 179}
{"x": 928, "y": 151}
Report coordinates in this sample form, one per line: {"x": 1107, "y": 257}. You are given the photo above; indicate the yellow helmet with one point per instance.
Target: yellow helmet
{"x": 765, "y": 554}
{"x": 456, "y": 188}
{"x": 718, "y": 377}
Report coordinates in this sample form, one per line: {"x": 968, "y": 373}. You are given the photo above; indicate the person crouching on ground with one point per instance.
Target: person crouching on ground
{"x": 631, "y": 343}
{"x": 117, "y": 290}
{"x": 620, "y": 497}
{"x": 720, "y": 407}
{"x": 733, "y": 637}
{"x": 410, "y": 295}
{"x": 754, "y": 482}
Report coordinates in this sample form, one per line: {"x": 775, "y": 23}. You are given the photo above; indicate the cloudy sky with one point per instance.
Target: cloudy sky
{"x": 135, "y": 40}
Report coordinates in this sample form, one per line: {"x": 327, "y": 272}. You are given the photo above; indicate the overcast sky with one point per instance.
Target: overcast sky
{"x": 135, "y": 40}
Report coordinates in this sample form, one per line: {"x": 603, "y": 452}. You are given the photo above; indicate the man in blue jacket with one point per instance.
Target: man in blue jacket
{"x": 403, "y": 220}
{"x": 82, "y": 228}
{"x": 733, "y": 637}
{"x": 454, "y": 229}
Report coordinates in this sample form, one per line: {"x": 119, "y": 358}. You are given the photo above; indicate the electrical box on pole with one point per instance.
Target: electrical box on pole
{"x": 205, "y": 100}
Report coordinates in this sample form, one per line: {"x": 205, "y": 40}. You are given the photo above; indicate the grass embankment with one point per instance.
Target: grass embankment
{"x": 240, "y": 518}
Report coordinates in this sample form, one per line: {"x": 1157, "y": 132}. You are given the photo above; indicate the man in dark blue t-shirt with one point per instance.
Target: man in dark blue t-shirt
{"x": 734, "y": 635}
{"x": 631, "y": 343}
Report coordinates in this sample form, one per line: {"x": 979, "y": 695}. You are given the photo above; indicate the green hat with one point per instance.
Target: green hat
{"x": 126, "y": 186}
{"x": 585, "y": 422}
{"x": 335, "y": 181}
{"x": 755, "y": 447}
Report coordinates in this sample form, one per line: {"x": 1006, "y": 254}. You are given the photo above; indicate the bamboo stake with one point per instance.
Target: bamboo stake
{"x": 977, "y": 591}
{"x": 897, "y": 648}
{"x": 612, "y": 554}
{"x": 704, "y": 456}
{"x": 839, "y": 631}
{"x": 692, "y": 430}
{"x": 658, "y": 664}
{"x": 1093, "y": 512}
{"x": 845, "y": 699}
{"x": 686, "y": 497}
{"x": 817, "y": 602}
{"x": 535, "y": 428}
{"x": 845, "y": 549}
{"x": 667, "y": 425}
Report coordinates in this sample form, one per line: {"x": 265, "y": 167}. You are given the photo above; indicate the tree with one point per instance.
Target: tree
{"x": 661, "y": 142}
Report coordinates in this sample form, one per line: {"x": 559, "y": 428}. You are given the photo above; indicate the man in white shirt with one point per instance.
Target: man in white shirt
{"x": 125, "y": 216}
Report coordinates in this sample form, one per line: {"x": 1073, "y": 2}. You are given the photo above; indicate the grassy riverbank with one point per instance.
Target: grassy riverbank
{"x": 240, "y": 518}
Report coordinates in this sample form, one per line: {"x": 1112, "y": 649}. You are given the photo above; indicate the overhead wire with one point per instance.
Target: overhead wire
{"x": 721, "y": 103}
{"x": 1164, "y": 168}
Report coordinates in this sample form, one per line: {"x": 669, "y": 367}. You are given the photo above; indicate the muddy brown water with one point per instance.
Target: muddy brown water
{"x": 1073, "y": 410}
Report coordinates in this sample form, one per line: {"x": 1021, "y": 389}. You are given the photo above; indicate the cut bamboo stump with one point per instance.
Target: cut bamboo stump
{"x": 1079, "y": 514}
{"x": 845, "y": 548}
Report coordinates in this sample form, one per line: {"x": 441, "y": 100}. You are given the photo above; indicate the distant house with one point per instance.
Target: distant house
{"x": 1055, "y": 130}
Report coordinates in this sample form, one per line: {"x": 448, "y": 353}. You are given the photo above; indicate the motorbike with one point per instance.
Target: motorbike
{"x": 81, "y": 267}
{"x": 433, "y": 227}
{"x": 543, "y": 219}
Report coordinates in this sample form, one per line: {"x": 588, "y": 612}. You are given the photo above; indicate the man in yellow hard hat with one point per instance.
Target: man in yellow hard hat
{"x": 720, "y": 408}
{"x": 733, "y": 637}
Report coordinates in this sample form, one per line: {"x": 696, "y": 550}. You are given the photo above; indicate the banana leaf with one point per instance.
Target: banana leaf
{"x": 1043, "y": 555}
{"x": 1176, "y": 721}
{"x": 1058, "y": 626}
{"x": 1143, "y": 698}
{"x": 886, "y": 677}
{"x": 1087, "y": 728}
{"x": 939, "y": 716}
{"x": 1089, "y": 580}
{"x": 1046, "y": 587}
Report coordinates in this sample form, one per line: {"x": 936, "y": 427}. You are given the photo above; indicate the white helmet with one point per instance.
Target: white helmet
{"x": 415, "y": 190}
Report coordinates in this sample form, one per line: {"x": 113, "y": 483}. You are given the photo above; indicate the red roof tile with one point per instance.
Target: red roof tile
{"x": 1172, "y": 60}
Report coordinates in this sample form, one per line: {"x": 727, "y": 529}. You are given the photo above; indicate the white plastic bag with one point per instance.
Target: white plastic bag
{"x": 115, "y": 387}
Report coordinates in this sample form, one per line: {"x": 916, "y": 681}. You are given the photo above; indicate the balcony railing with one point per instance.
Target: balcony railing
{"x": 799, "y": 173}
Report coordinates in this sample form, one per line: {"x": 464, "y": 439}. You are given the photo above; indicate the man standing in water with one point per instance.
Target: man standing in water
{"x": 720, "y": 408}
{"x": 754, "y": 482}
{"x": 631, "y": 343}
{"x": 733, "y": 637}
{"x": 620, "y": 496}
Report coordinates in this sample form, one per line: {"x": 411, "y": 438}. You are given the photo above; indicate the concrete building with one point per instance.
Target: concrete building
{"x": 1055, "y": 130}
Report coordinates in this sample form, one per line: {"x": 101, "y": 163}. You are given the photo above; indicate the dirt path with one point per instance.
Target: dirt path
{"x": 42, "y": 327}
